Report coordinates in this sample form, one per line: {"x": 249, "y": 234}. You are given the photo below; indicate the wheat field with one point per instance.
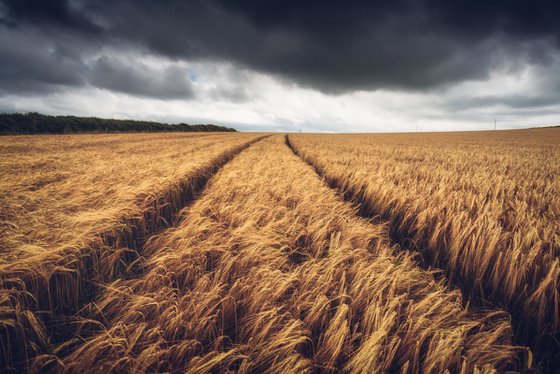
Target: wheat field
{"x": 75, "y": 212}
{"x": 483, "y": 207}
{"x": 405, "y": 253}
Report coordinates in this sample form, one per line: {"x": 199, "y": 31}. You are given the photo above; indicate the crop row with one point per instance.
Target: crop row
{"x": 485, "y": 208}
{"x": 40, "y": 294}
{"x": 269, "y": 270}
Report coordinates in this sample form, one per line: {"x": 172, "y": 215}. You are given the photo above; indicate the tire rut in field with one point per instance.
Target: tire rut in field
{"x": 40, "y": 306}
{"x": 402, "y": 241}
{"x": 223, "y": 292}
{"x": 398, "y": 238}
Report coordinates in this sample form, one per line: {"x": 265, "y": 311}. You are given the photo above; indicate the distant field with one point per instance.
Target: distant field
{"x": 223, "y": 252}
{"x": 58, "y": 191}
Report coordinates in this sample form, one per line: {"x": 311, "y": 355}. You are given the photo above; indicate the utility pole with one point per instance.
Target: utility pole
{"x": 494, "y": 124}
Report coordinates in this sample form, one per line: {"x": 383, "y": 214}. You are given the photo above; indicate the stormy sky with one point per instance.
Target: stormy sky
{"x": 286, "y": 65}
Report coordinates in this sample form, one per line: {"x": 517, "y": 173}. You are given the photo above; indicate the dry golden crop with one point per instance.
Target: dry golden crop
{"x": 271, "y": 271}
{"x": 484, "y": 207}
{"x": 107, "y": 266}
{"x": 59, "y": 190}
{"x": 75, "y": 209}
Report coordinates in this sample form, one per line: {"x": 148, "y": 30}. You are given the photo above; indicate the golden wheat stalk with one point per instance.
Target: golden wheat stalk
{"x": 483, "y": 207}
{"x": 42, "y": 291}
{"x": 270, "y": 271}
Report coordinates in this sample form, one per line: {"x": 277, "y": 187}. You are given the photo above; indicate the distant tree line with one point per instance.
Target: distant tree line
{"x": 35, "y": 123}
{"x": 546, "y": 127}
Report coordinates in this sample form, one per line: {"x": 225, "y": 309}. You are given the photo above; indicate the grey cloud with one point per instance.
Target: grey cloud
{"x": 33, "y": 63}
{"x": 234, "y": 85}
{"x": 44, "y": 67}
{"x": 543, "y": 92}
{"x": 362, "y": 45}
{"x": 380, "y": 53}
{"x": 338, "y": 48}
{"x": 58, "y": 14}
{"x": 519, "y": 102}
{"x": 234, "y": 94}
{"x": 140, "y": 80}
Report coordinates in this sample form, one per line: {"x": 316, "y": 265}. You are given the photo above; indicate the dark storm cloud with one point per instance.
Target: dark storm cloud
{"x": 140, "y": 80}
{"x": 55, "y": 13}
{"x": 48, "y": 56}
{"x": 322, "y": 45}
{"x": 328, "y": 45}
{"x": 33, "y": 63}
